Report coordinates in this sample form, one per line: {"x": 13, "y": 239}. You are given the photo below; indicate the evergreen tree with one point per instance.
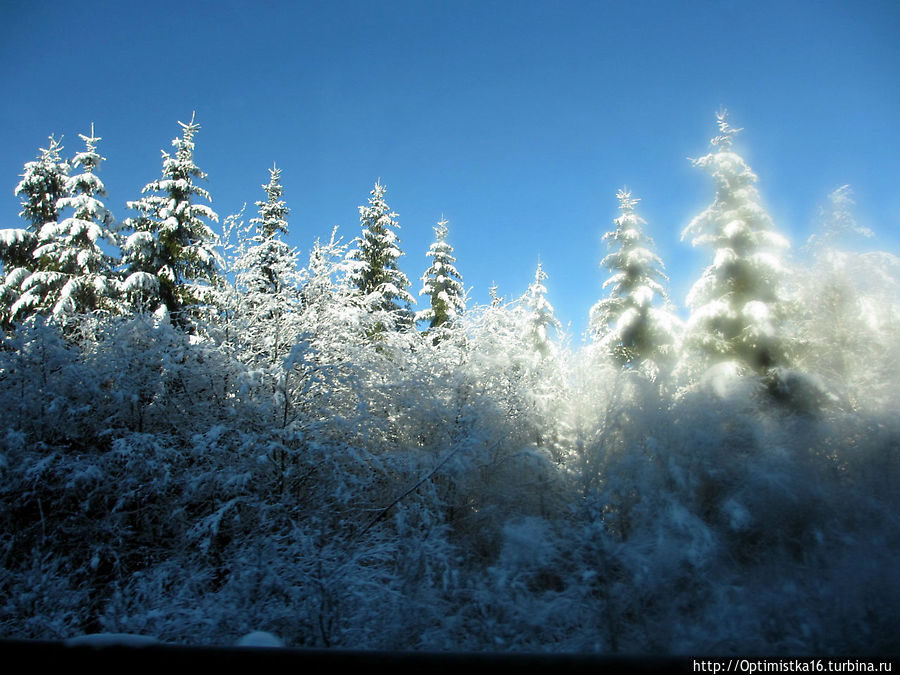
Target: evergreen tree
{"x": 267, "y": 272}
{"x": 626, "y": 324}
{"x": 171, "y": 249}
{"x": 442, "y": 282}
{"x": 75, "y": 273}
{"x": 43, "y": 184}
{"x": 736, "y": 305}
{"x": 540, "y": 316}
{"x": 273, "y": 212}
{"x": 16, "y": 248}
{"x": 373, "y": 262}
{"x": 268, "y": 266}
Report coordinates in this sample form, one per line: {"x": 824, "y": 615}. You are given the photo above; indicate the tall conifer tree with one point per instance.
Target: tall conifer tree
{"x": 170, "y": 255}
{"x": 268, "y": 265}
{"x": 267, "y": 272}
{"x": 76, "y": 272}
{"x": 442, "y": 282}
{"x": 540, "y": 314}
{"x": 736, "y": 305}
{"x": 373, "y": 261}
{"x": 626, "y": 324}
{"x": 43, "y": 184}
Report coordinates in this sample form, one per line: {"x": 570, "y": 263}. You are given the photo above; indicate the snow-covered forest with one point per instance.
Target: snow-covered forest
{"x": 203, "y": 434}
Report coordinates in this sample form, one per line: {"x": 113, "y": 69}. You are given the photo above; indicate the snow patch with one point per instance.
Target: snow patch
{"x": 111, "y": 640}
{"x": 260, "y": 638}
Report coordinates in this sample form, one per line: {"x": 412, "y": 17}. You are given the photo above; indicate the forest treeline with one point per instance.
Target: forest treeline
{"x": 201, "y": 436}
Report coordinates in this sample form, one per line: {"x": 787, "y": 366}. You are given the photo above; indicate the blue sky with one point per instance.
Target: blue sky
{"x": 518, "y": 121}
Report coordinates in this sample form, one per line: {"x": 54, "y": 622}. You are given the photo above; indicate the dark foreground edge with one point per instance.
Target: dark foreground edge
{"x": 32, "y": 653}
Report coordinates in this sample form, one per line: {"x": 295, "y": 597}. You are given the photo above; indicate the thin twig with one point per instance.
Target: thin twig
{"x": 383, "y": 512}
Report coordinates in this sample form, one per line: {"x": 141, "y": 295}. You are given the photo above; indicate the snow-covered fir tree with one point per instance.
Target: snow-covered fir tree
{"x": 171, "y": 253}
{"x": 268, "y": 266}
{"x": 540, "y": 316}
{"x": 76, "y": 271}
{"x": 736, "y": 305}
{"x": 266, "y": 270}
{"x": 43, "y": 184}
{"x": 626, "y": 324}
{"x": 273, "y": 212}
{"x": 442, "y": 282}
{"x": 373, "y": 261}
{"x": 16, "y": 248}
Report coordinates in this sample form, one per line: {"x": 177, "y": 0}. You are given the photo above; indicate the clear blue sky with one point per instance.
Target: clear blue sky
{"x": 516, "y": 120}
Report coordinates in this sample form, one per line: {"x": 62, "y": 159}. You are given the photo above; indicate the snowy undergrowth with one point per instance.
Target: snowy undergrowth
{"x": 434, "y": 495}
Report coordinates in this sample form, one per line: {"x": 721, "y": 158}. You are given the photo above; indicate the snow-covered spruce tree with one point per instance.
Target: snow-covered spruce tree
{"x": 626, "y": 325}
{"x": 539, "y": 312}
{"x": 43, "y": 184}
{"x": 373, "y": 261}
{"x": 442, "y": 282}
{"x": 267, "y": 271}
{"x": 270, "y": 265}
{"x": 75, "y": 272}
{"x": 736, "y": 305}
{"x": 273, "y": 212}
{"x": 269, "y": 262}
{"x": 170, "y": 253}
{"x": 16, "y": 248}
